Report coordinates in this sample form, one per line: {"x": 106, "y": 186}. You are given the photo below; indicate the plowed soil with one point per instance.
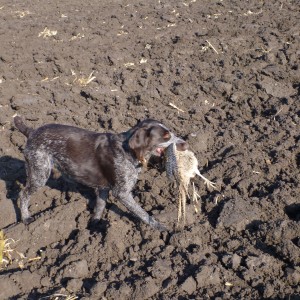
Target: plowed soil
{"x": 232, "y": 70}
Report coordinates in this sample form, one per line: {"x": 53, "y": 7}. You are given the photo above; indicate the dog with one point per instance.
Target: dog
{"x": 102, "y": 161}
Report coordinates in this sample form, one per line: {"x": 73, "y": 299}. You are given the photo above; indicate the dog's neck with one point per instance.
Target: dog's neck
{"x": 124, "y": 136}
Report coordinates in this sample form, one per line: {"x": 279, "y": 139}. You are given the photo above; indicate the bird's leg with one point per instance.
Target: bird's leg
{"x": 195, "y": 197}
{"x": 207, "y": 181}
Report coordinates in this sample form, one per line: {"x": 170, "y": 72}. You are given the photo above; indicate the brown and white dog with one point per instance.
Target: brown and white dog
{"x": 103, "y": 161}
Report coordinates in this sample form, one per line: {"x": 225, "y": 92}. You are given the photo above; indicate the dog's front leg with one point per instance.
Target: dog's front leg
{"x": 26, "y": 217}
{"x": 135, "y": 208}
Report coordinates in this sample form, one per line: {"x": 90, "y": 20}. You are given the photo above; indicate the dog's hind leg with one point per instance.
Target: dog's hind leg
{"x": 102, "y": 196}
{"x": 38, "y": 169}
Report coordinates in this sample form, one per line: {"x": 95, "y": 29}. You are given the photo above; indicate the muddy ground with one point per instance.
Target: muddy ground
{"x": 232, "y": 70}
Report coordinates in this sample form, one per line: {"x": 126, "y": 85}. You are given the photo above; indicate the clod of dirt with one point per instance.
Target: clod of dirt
{"x": 236, "y": 261}
{"x": 208, "y": 275}
{"x": 46, "y": 281}
{"x": 77, "y": 269}
{"x": 169, "y": 216}
{"x": 189, "y": 285}
{"x": 232, "y": 261}
{"x": 277, "y": 88}
{"x": 276, "y": 232}
{"x": 74, "y": 284}
{"x": 237, "y": 213}
{"x": 223, "y": 87}
{"x": 293, "y": 276}
{"x": 289, "y": 250}
{"x": 117, "y": 291}
{"x": 98, "y": 289}
{"x": 184, "y": 239}
{"x": 262, "y": 262}
{"x": 116, "y": 241}
{"x": 20, "y": 101}
{"x": 161, "y": 269}
{"x": 8, "y": 288}
{"x": 145, "y": 288}
{"x": 27, "y": 280}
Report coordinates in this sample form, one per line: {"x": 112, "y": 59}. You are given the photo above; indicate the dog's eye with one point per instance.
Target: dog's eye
{"x": 167, "y": 135}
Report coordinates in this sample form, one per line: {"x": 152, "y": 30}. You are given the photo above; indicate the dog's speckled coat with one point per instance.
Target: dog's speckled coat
{"x": 102, "y": 161}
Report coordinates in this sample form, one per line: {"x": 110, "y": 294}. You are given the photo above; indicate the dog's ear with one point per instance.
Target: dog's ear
{"x": 138, "y": 144}
{"x": 138, "y": 139}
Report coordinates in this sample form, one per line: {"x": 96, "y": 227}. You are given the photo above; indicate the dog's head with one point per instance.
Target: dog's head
{"x": 150, "y": 137}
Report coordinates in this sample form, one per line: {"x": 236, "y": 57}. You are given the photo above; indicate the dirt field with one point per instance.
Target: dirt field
{"x": 232, "y": 70}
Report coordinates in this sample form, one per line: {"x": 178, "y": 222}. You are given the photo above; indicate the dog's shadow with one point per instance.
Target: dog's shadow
{"x": 13, "y": 175}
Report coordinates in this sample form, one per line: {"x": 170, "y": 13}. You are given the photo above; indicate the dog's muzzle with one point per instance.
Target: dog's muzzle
{"x": 181, "y": 145}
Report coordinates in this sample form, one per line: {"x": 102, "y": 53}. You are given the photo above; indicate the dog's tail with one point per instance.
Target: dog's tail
{"x": 19, "y": 123}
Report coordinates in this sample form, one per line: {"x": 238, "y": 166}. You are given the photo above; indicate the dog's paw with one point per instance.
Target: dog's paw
{"x": 28, "y": 220}
{"x": 157, "y": 225}
{"x": 161, "y": 227}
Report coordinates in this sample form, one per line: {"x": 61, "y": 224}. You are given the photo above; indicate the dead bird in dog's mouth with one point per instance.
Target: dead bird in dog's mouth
{"x": 181, "y": 166}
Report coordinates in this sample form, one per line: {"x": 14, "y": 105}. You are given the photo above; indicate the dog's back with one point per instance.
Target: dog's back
{"x": 86, "y": 156}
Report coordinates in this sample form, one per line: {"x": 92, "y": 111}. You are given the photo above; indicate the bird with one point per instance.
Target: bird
{"x": 181, "y": 167}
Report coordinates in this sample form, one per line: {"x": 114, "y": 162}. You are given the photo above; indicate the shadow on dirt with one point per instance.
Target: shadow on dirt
{"x": 12, "y": 172}
{"x": 293, "y": 211}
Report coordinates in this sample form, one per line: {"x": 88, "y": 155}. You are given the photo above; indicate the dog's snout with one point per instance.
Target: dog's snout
{"x": 181, "y": 145}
